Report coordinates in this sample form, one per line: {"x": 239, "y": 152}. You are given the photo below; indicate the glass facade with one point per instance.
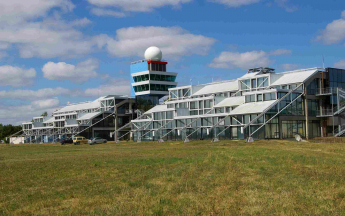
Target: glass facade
{"x": 313, "y": 87}
{"x": 141, "y": 88}
{"x": 157, "y": 77}
{"x": 289, "y": 112}
{"x": 159, "y": 87}
{"x": 291, "y": 128}
{"x": 313, "y": 107}
{"x": 157, "y": 67}
{"x": 141, "y": 78}
{"x": 336, "y": 78}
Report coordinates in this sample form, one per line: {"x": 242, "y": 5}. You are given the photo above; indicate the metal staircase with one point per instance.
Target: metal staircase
{"x": 111, "y": 114}
{"x": 340, "y": 131}
{"x": 22, "y": 132}
{"x": 129, "y": 124}
{"x": 280, "y": 109}
{"x": 341, "y": 101}
{"x": 337, "y": 110}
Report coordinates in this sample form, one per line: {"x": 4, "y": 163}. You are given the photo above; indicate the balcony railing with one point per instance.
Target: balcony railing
{"x": 326, "y": 91}
{"x": 339, "y": 131}
{"x": 325, "y": 112}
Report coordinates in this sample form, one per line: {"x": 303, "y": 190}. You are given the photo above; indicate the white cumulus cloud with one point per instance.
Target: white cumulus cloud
{"x": 36, "y": 30}
{"x": 334, "y": 32}
{"x": 113, "y": 87}
{"x": 235, "y": 3}
{"x": 340, "y": 64}
{"x": 18, "y": 114}
{"x": 14, "y": 11}
{"x": 79, "y": 73}
{"x": 245, "y": 60}
{"x": 241, "y": 60}
{"x": 26, "y": 94}
{"x": 286, "y": 5}
{"x": 173, "y": 41}
{"x": 48, "y": 39}
{"x": 16, "y": 76}
{"x": 137, "y": 5}
{"x": 289, "y": 66}
{"x": 279, "y": 52}
{"x": 81, "y": 22}
{"x": 106, "y": 12}
{"x": 43, "y": 99}
{"x": 45, "y": 104}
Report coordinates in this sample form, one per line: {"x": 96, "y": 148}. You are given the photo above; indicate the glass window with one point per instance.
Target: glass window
{"x": 194, "y": 112}
{"x": 208, "y": 103}
{"x": 179, "y": 93}
{"x": 250, "y": 98}
{"x": 220, "y": 110}
{"x": 246, "y": 119}
{"x": 247, "y": 98}
{"x": 259, "y": 97}
{"x": 174, "y": 94}
{"x": 201, "y": 105}
{"x": 253, "y": 83}
{"x": 262, "y": 82}
{"x": 186, "y": 92}
{"x": 157, "y": 116}
{"x": 281, "y": 94}
{"x": 183, "y": 105}
{"x": 193, "y": 105}
{"x": 269, "y": 96}
{"x": 245, "y": 84}
{"x": 169, "y": 115}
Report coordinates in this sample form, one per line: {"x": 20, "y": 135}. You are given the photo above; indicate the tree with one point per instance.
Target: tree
{"x": 45, "y": 114}
{"x": 8, "y": 130}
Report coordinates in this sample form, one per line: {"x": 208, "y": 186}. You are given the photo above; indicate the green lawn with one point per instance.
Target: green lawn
{"x": 173, "y": 178}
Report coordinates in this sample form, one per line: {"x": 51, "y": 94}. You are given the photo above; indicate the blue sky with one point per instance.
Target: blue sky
{"x": 57, "y": 51}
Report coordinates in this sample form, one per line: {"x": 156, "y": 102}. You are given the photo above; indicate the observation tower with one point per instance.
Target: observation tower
{"x": 150, "y": 79}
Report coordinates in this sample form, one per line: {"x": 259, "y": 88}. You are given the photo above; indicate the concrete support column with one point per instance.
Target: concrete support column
{"x": 115, "y": 133}
{"x": 131, "y": 118}
{"x": 322, "y": 120}
{"x": 332, "y": 111}
{"x": 306, "y": 114}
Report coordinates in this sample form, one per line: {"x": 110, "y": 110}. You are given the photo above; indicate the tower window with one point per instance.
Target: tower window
{"x": 157, "y": 67}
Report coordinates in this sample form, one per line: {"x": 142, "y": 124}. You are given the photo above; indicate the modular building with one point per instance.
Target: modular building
{"x": 262, "y": 104}
{"x": 99, "y": 118}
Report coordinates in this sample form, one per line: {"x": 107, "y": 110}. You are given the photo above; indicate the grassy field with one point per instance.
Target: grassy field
{"x": 173, "y": 178}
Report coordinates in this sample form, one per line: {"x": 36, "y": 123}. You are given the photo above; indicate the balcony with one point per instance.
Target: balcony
{"x": 124, "y": 111}
{"x": 325, "y": 113}
{"x": 325, "y": 91}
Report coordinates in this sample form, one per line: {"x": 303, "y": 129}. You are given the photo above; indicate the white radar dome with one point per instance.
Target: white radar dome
{"x": 153, "y": 53}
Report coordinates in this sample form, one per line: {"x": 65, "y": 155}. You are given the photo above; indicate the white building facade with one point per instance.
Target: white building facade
{"x": 89, "y": 119}
{"x": 262, "y": 104}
